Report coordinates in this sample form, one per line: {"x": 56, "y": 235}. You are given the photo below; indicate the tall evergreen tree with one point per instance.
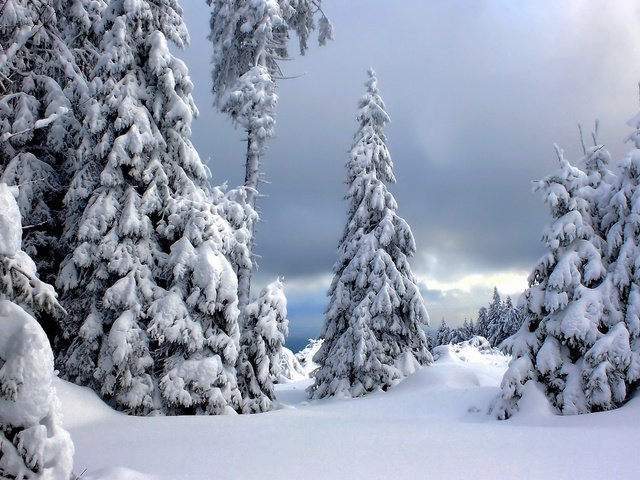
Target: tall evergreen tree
{"x": 249, "y": 39}
{"x": 372, "y": 330}
{"x": 570, "y": 319}
{"x": 152, "y": 322}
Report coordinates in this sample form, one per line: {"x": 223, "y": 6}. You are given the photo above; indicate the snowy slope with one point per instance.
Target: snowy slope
{"x": 433, "y": 425}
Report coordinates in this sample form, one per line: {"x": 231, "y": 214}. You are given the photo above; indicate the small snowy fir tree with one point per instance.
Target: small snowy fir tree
{"x": 373, "y": 335}
{"x": 263, "y": 335}
{"x": 33, "y": 444}
{"x": 495, "y": 317}
{"x": 468, "y": 329}
{"x": 509, "y": 322}
{"x": 570, "y": 320}
{"x": 249, "y": 39}
{"x": 442, "y": 334}
{"x": 482, "y": 322}
{"x": 513, "y": 319}
{"x": 152, "y": 298}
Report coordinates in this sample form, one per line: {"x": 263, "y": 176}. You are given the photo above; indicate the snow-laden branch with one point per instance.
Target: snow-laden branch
{"x": 42, "y": 123}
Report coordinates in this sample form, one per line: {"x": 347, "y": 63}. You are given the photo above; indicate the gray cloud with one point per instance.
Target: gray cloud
{"x": 478, "y": 92}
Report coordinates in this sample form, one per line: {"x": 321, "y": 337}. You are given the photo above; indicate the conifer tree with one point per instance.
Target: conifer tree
{"x": 40, "y": 84}
{"x": 152, "y": 322}
{"x": 569, "y": 315}
{"x": 482, "y": 322}
{"x": 467, "y": 330}
{"x": 249, "y": 39}
{"x": 495, "y": 314}
{"x": 372, "y": 330}
{"x": 263, "y": 337}
{"x": 442, "y": 334}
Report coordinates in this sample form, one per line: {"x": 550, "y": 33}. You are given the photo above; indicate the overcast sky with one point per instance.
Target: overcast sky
{"x": 478, "y": 91}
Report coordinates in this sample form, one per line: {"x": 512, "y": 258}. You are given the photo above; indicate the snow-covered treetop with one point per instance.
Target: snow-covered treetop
{"x": 560, "y": 193}
{"x": 246, "y": 34}
{"x": 369, "y": 152}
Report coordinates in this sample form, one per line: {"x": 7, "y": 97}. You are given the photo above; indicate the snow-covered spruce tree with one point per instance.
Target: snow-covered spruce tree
{"x": 442, "y": 334}
{"x": 372, "y": 330}
{"x": 508, "y": 323}
{"x": 33, "y": 444}
{"x": 152, "y": 299}
{"x": 37, "y": 77}
{"x": 482, "y": 322}
{"x": 249, "y": 39}
{"x": 514, "y": 319}
{"x": 570, "y": 320}
{"x": 46, "y": 96}
{"x": 455, "y": 336}
{"x": 468, "y": 329}
{"x": 495, "y": 317}
{"x": 263, "y": 335}
{"x": 612, "y": 368}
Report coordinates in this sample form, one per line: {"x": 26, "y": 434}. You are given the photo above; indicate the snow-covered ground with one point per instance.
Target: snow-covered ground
{"x": 432, "y": 425}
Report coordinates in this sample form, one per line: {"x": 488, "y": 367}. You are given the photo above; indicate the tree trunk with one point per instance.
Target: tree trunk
{"x": 251, "y": 179}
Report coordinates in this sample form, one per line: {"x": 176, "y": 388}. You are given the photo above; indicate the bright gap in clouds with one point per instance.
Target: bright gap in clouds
{"x": 460, "y": 298}
{"x": 507, "y": 283}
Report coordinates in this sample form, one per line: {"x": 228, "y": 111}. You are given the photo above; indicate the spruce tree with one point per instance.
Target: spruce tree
{"x": 467, "y": 330}
{"x": 152, "y": 322}
{"x": 442, "y": 334}
{"x": 249, "y": 39}
{"x": 482, "y": 322}
{"x": 42, "y": 87}
{"x": 372, "y": 330}
{"x": 261, "y": 343}
{"x": 495, "y": 314}
{"x": 570, "y": 318}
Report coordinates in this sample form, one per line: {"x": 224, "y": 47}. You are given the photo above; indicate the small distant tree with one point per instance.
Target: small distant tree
{"x": 495, "y": 317}
{"x": 442, "y": 334}
{"x": 372, "y": 332}
{"x": 510, "y": 321}
{"x": 468, "y": 329}
{"x": 263, "y": 337}
{"x": 482, "y": 323}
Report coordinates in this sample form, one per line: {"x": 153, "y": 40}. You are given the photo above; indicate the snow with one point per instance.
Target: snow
{"x": 432, "y": 425}
{"x": 31, "y": 437}
{"x": 10, "y": 222}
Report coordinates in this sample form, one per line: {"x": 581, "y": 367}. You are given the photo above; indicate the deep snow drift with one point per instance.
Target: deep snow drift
{"x": 433, "y": 425}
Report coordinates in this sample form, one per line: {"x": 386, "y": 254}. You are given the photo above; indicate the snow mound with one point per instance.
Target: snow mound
{"x": 533, "y": 404}
{"x": 10, "y": 222}
{"x": 118, "y": 474}
{"x": 475, "y": 350}
{"x": 81, "y": 405}
{"x": 31, "y": 438}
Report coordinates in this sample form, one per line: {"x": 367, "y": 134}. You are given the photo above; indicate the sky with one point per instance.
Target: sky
{"x": 478, "y": 92}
